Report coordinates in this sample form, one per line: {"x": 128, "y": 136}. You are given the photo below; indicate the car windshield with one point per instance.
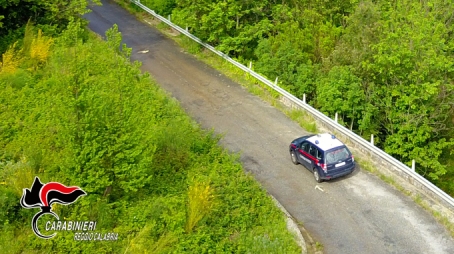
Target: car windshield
{"x": 337, "y": 155}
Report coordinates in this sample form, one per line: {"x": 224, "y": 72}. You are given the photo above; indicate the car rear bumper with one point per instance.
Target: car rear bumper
{"x": 344, "y": 172}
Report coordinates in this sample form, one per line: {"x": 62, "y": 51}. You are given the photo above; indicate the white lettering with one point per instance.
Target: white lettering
{"x": 306, "y": 159}
{"x": 85, "y": 225}
{"x": 47, "y": 225}
{"x": 78, "y": 225}
{"x": 90, "y": 225}
{"x": 95, "y": 236}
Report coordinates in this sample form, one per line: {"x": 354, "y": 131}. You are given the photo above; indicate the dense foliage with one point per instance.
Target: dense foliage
{"x": 74, "y": 110}
{"x": 387, "y": 68}
{"x": 51, "y": 16}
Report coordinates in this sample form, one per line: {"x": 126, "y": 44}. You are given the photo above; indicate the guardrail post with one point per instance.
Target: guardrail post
{"x": 187, "y": 28}
{"x": 169, "y": 17}
{"x": 304, "y": 98}
{"x": 372, "y": 139}
{"x": 275, "y": 82}
{"x": 413, "y": 165}
{"x": 335, "y": 117}
{"x": 250, "y": 65}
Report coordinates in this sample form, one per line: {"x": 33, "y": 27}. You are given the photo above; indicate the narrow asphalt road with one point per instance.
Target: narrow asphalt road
{"x": 354, "y": 214}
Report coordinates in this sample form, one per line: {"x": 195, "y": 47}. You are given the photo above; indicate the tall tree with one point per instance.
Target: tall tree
{"x": 412, "y": 71}
{"x": 54, "y": 15}
{"x": 341, "y": 92}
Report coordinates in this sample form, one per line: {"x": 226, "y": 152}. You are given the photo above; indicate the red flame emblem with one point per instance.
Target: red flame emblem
{"x": 44, "y": 195}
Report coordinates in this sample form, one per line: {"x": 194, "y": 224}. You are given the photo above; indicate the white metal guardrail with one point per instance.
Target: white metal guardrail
{"x": 341, "y": 129}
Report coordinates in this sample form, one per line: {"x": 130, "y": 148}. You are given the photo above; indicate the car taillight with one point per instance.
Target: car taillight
{"x": 353, "y": 159}
{"x": 323, "y": 166}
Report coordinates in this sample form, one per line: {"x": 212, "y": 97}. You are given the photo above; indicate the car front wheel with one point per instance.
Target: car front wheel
{"x": 317, "y": 176}
{"x": 294, "y": 159}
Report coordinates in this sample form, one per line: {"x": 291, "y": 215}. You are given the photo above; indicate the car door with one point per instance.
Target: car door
{"x": 313, "y": 155}
{"x": 303, "y": 153}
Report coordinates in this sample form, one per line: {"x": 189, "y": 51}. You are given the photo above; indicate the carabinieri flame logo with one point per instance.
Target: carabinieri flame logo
{"x": 44, "y": 195}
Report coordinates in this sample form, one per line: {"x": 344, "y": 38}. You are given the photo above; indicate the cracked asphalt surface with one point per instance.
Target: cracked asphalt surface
{"x": 355, "y": 214}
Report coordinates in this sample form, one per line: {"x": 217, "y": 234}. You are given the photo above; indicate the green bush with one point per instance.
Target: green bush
{"x": 10, "y": 206}
{"x": 162, "y": 7}
{"x": 88, "y": 117}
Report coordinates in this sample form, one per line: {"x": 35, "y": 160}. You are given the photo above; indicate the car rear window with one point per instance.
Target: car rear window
{"x": 337, "y": 155}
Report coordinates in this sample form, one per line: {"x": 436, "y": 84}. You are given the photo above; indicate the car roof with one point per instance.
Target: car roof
{"x": 325, "y": 141}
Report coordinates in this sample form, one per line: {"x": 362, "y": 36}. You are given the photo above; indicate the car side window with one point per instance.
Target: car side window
{"x": 313, "y": 151}
{"x": 319, "y": 155}
{"x": 305, "y": 146}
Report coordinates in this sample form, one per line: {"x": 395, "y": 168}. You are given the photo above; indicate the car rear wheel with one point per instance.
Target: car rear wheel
{"x": 317, "y": 176}
{"x": 294, "y": 159}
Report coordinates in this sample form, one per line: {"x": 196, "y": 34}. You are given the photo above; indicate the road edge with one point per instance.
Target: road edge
{"x": 293, "y": 227}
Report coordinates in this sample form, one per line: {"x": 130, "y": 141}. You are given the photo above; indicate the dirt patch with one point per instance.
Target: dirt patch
{"x": 152, "y": 21}
{"x": 156, "y": 22}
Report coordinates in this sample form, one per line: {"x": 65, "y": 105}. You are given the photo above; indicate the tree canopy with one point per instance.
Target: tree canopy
{"x": 51, "y": 16}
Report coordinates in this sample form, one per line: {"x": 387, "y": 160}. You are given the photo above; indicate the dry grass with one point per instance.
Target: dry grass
{"x": 10, "y": 60}
{"x": 200, "y": 204}
{"x": 40, "y": 48}
{"x": 19, "y": 175}
{"x": 141, "y": 243}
